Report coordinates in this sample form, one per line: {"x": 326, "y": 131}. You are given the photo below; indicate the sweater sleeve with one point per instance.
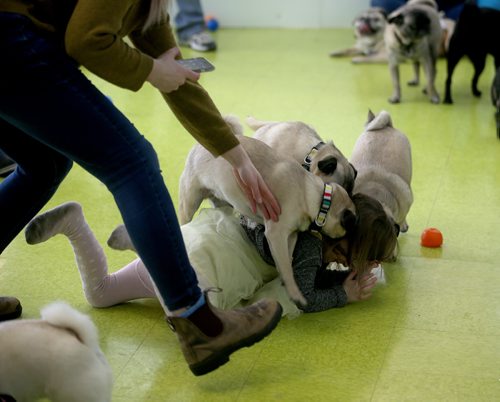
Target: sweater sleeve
{"x": 94, "y": 39}
{"x": 191, "y": 104}
{"x": 307, "y": 265}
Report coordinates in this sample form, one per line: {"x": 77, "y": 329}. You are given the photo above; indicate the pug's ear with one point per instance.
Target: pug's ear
{"x": 396, "y": 18}
{"x": 328, "y": 165}
{"x": 354, "y": 171}
{"x": 371, "y": 116}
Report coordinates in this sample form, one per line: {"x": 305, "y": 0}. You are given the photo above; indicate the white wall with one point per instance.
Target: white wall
{"x": 284, "y": 13}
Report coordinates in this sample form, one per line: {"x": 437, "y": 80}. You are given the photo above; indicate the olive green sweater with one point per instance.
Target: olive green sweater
{"x": 94, "y": 32}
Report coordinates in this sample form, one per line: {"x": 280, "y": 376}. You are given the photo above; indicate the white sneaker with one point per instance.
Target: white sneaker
{"x": 202, "y": 42}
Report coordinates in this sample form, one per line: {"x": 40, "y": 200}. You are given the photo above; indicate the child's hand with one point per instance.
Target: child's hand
{"x": 359, "y": 290}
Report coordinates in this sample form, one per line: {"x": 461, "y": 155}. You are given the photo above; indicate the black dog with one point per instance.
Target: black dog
{"x": 495, "y": 98}
{"x": 477, "y": 34}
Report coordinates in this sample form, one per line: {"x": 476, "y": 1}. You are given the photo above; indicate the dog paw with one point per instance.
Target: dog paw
{"x": 435, "y": 99}
{"x": 448, "y": 101}
{"x": 413, "y": 83}
{"x": 394, "y": 99}
{"x": 476, "y": 92}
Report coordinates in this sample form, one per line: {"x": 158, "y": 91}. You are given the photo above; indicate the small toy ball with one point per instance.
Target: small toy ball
{"x": 211, "y": 23}
{"x": 431, "y": 237}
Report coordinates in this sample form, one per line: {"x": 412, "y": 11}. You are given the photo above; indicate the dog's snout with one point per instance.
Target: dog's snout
{"x": 348, "y": 220}
{"x": 328, "y": 165}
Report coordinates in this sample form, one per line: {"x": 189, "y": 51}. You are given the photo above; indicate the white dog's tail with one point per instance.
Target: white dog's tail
{"x": 62, "y": 315}
{"x": 234, "y": 123}
{"x": 255, "y": 124}
{"x": 382, "y": 120}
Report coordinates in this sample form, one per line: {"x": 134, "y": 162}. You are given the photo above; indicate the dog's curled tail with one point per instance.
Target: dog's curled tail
{"x": 382, "y": 120}
{"x": 62, "y": 315}
{"x": 234, "y": 123}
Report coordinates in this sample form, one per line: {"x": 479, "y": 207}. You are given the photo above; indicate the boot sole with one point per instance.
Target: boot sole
{"x": 215, "y": 361}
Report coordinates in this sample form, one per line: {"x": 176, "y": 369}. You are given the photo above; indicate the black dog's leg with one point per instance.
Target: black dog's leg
{"x": 479, "y": 61}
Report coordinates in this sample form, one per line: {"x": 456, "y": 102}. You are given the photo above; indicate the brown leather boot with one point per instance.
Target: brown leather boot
{"x": 10, "y": 308}
{"x": 241, "y": 327}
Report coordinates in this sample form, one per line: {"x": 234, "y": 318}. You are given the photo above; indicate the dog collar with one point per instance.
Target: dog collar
{"x": 326, "y": 202}
{"x": 309, "y": 157}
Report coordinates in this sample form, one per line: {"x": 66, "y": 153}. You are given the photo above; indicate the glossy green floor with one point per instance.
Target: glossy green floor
{"x": 432, "y": 333}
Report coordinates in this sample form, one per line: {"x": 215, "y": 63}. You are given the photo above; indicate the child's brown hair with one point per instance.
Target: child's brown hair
{"x": 373, "y": 238}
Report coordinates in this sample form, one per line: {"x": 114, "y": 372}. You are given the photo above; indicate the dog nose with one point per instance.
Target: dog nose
{"x": 348, "y": 220}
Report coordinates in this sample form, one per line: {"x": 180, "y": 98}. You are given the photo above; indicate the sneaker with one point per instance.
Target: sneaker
{"x": 7, "y": 165}
{"x": 10, "y": 308}
{"x": 202, "y": 42}
{"x": 241, "y": 327}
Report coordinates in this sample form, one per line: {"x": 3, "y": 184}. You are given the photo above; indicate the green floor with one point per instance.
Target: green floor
{"x": 432, "y": 333}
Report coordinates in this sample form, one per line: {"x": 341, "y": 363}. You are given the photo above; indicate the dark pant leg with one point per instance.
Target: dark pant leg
{"x": 49, "y": 99}
{"x": 27, "y": 189}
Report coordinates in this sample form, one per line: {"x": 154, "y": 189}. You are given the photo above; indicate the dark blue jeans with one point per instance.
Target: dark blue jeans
{"x": 50, "y": 116}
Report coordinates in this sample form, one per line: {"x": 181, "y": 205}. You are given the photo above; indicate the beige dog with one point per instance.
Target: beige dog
{"x": 414, "y": 33}
{"x": 382, "y": 156}
{"x": 57, "y": 357}
{"x": 303, "y": 198}
{"x": 301, "y": 142}
{"x": 369, "y": 27}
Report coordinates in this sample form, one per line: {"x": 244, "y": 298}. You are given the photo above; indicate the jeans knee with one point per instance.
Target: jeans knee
{"x": 50, "y": 172}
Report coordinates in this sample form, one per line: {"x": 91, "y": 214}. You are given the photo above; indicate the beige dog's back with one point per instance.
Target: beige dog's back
{"x": 382, "y": 156}
{"x": 57, "y": 357}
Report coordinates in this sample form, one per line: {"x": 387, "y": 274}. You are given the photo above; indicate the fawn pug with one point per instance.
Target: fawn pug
{"x": 382, "y": 156}
{"x": 303, "y": 198}
{"x": 414, "y": 33}
{"x": 369, "y": 27}
{"x": 56, "y": 357}
{"x": 301, "y": 142}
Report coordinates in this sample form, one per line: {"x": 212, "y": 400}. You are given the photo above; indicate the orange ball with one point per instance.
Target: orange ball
{"x": 431, "y": 237}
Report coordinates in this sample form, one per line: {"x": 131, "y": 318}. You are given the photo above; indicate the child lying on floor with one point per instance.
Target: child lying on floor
{"x": 229, "y": 253}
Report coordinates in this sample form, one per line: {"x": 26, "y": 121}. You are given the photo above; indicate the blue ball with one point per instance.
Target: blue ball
{"x": 212, "y": 24}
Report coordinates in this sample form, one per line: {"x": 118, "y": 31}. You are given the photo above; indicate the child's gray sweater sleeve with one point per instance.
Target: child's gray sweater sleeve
{"x": 307, "y": 261}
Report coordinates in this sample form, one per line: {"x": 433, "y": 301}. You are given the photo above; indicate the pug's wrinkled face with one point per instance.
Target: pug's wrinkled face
{"x": 411, "y": 25}
{"x": 370, "y": 22}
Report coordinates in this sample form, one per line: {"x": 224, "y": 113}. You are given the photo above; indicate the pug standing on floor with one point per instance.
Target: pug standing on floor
{"x": 382, "y": 156}
{"x": 56, "y": 357}
{"x": 414, "y": 34}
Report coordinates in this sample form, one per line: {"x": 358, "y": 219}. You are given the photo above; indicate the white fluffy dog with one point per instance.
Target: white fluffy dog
{"x": 56, "y": 357}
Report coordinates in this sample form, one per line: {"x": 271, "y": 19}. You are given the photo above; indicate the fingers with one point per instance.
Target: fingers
{"x": 171, "y": 53}
{"x": 246, "y": 189}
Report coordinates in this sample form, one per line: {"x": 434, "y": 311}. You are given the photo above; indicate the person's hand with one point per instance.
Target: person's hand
{"x": 167, "y": 75}
{"x": 252, "y": 183}
{"x": 359, "y": 290}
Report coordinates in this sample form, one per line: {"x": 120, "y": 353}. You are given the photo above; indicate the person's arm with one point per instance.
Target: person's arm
{"x": 196, "y": 111}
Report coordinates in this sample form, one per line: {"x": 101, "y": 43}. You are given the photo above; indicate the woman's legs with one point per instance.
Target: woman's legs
{"x": 101, "y": 289}
{"x": 45, "y": 96}
{"x": 30, "y": 186}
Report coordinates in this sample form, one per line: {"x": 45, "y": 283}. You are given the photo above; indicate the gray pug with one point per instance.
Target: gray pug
{"x": 382, "y": 156}
{"x": 414, "y": 33}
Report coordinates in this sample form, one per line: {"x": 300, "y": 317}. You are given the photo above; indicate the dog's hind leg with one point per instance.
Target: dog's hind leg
{"x": 479, "y": 62}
